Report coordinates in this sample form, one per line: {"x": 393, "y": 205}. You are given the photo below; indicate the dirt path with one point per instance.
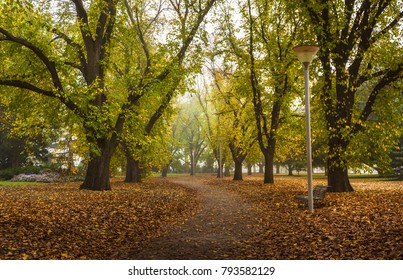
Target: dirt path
{"x": 218, "y": 231}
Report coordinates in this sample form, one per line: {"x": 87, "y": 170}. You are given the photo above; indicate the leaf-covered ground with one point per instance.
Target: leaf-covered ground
{"x": 365, "y": 224}
{"x": 62, "y": 222}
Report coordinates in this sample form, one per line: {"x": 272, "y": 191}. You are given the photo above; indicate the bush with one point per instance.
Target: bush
{"x": 9, "y": 173}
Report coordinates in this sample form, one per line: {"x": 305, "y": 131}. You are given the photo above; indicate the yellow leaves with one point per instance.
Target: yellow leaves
{"x": 63, "y": 222}
{"x": 64, "y": 255}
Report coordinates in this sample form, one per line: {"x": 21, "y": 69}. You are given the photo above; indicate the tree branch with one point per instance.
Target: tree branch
{"x": 390, "y": 77}
{"x": 50, "y": 65}
{"x": 76, "y": 46}
{"x": 28, "y": 86}
{"x": 387, "y": 28}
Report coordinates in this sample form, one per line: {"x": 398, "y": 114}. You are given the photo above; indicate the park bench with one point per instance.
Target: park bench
{"x": 319, "y": 193}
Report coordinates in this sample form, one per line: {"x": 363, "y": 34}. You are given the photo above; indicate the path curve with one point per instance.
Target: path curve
{"x": 220, "y": 229}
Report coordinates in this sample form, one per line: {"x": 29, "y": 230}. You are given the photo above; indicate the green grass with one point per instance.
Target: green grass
{"x": 10, "y": 183}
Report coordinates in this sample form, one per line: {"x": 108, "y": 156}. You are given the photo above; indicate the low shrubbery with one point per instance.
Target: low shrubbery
{"x": 9, "y": 173}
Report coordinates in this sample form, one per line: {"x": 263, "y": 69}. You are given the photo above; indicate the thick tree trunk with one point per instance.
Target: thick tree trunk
{"x": 164, "y": 171}
{"x": 133, "y": 170}
{"x": 337, "y": 176}
{"x": 268, "y": 168}
{"x": 238, "y": 171}
{"x": 289, "y": 167}
{"x": 98, "y": 171}
{"x": 338, "y": 180}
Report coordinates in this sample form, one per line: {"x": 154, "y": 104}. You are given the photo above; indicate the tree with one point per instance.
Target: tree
{"x": 164, "y": 64}
{"x": 191, "y": 133}
{"x": 68, "y": 49}
{"x": 291, "y": 151}
{"x": 397, "y": 159}
{"x": 361, "y": 60}
{"x": 234, "y": 105}
{"x": 67, "y": 57}
{"x": 270, "y": 30}
{"x": 27, "y": 129}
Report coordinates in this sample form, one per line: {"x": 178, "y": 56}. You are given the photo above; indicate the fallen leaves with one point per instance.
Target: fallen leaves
{"x": 62, "y": 222}
{"x": 365, "y": 224}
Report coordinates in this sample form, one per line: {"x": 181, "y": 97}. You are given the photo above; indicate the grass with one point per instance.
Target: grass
{"x": 10, "y": 183}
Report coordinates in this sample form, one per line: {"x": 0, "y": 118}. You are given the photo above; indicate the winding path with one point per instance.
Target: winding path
{"x": 219, "y": 230}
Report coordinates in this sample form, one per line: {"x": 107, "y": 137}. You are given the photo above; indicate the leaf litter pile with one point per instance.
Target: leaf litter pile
{"x": 62, "y": 222}
{"x": 364, "y": 224}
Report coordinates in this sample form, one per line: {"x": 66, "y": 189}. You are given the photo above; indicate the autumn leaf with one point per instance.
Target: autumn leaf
{"x": 62, "y": 222}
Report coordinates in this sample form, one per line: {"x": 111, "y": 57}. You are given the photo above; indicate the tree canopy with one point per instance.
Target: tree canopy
{"x": 111, "y": 73}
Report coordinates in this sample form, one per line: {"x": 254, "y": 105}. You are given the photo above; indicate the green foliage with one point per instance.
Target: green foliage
{"x": 8, "y": 173}
{"x": 359, "y": 97}
{"x": 105, "y": 61}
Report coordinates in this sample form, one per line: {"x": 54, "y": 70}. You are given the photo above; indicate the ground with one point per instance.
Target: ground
{"x": 201, "y": 218}
{"x": 219, "y": 230}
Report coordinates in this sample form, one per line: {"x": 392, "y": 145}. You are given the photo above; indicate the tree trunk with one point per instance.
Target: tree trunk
{"x": 192, "y": 164}
{"x": 220, "y": 172}
{"x": 338, "y": 180}
{"x": 249, "y": 169}
{"x": 164, "y": 171}
{"x": 268, "y": 168}
{"x": 227, "y": 171}
{"x": 238, "y": 171}
{"x": 98, "y": 171}
{"x": 337, "y": 176}
{"x": 133, "y": 170}
{"x": 277, "y": 168}
{"x": 289, "y": 167}
{"x": 261, "y": 169}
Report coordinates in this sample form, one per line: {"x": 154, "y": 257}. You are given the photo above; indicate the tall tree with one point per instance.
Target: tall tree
{"x": 234, "y": 106}
{"x": 264, "y": 49}
{"x": 165, "y": 63}
{"x": 361, "y": 59}
{"x": 67, "y": 56}
{"x": 68, "y": 49}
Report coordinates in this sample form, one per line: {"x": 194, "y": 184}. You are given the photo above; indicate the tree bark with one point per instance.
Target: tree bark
{"x": 268, "y": 167}
{"x": 220, "y": 170}
{"x": 289, "y": 167}
{"x": 227, "y": 171}
{"x": 278, "y": 168}
{"x": 338, "y": 180}
{"x": 261, "y": 169}
{"x": 238, "y": 171}
{"x": 164, "y": 171}
{"x": 98, "y": 170}
{"x": 249, "y": 169}
{"x": 133, "y": 170}
{"x": 337, "y": 168}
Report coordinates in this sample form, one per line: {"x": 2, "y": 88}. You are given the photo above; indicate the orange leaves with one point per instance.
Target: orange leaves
{"x": 63, "y": 222}
{"x": 365, "y": 224}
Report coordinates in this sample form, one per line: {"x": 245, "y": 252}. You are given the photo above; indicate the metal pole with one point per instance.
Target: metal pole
{"x": 220, "y": 161}
{"x": 194, "y": 163}
{"x": 308, "y": 136}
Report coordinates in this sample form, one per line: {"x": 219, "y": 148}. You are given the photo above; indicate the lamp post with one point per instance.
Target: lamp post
{"x": 306, "y": 54}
